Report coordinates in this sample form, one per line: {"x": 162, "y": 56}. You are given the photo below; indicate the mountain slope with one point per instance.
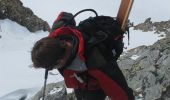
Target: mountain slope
{"x": 147, "y": 69}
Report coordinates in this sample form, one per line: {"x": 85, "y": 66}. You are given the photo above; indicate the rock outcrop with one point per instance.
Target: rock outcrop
{"x": 147, "y": 68}
{"x": 54, "y": 91}
{"x": 15, "y": 11}
{"x": 148, "y": 25}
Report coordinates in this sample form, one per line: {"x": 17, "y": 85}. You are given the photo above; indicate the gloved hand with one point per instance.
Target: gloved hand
{"x": 64, "y": 19}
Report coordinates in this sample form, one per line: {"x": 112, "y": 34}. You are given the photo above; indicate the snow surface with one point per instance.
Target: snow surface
{"x": 18, "y": 78}
{"x": 134, "y": 57}
{"x": 55, "y": 90}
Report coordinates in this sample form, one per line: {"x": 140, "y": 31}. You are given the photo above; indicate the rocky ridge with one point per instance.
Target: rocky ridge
{"x": 15, "y": 11}
{"x": 157, "y": 27}
{"x": 147, "y": 68}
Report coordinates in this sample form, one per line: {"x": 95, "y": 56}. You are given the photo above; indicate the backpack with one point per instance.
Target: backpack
{"x": 103, "y": 32}
{"x": 100, "y": 32}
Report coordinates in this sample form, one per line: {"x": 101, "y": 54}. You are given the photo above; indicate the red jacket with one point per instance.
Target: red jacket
{"x": 99, "y": 80}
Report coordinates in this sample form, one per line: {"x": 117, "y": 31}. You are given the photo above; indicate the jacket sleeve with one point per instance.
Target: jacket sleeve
{"x": 111, "y": 88}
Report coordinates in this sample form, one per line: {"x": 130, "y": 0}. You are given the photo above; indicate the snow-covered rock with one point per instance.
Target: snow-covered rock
{"x": 15, "y": 11}
{"x": 147, "y": 70}
{"x": 54, "y": 91}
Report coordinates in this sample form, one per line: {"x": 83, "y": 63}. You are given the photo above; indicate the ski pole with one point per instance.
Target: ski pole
{"x": 45, "y": 81}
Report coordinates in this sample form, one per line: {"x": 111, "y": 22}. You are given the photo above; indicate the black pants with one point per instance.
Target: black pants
{"x": 89, "y": 94}
{"x": 112, "y": 70}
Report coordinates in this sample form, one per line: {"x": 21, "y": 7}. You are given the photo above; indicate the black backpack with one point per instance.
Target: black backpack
{"x": 102, "y": 32}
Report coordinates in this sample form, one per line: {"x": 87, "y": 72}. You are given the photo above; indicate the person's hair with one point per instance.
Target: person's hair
{"x": 46, "y": 52}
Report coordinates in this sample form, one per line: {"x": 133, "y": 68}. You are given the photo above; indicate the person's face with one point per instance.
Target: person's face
{"x": 61, "y": 62}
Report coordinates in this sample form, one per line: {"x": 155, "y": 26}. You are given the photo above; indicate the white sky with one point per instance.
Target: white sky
{"x": 17, "y": 41}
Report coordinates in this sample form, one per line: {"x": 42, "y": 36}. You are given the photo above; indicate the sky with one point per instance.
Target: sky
{"x": 16, "y": 42}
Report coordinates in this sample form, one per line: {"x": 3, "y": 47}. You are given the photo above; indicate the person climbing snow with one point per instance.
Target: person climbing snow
{"x": 86, "y": 55}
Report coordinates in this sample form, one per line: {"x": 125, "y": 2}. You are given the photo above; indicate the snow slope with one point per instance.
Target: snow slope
{"x": 16, "y": 41}
{"x": 15, "y": 60}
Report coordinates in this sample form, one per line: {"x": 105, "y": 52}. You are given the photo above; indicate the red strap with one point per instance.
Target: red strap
{"x": 112, "y": 89}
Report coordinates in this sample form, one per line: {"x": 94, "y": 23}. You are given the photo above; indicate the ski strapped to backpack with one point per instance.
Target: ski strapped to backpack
{"x": 123, "y": 15}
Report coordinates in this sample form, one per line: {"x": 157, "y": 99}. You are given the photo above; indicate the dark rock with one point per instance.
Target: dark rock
{"x": 166, "y": 93}
{"x": 15, "y": 11}
{"x": 148, "y": 25}
{"x": 148, "y": 20}
{"x": 23, "y": 97}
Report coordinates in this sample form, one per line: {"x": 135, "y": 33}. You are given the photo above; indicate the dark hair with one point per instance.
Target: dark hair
{"x": 46, "y": 52}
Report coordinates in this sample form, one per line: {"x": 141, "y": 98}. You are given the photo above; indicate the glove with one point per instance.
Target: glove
{"x": 63, "y": 19}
